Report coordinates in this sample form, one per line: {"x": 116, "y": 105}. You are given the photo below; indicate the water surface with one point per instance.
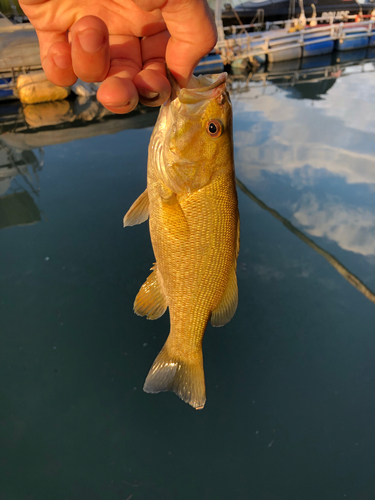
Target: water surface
{"x": 290, "y": 380}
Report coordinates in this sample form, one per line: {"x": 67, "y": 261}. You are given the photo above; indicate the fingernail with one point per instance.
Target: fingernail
{"x": 62, "y": 61}
{"x": 116, "y": 106}
{"x": 148, "y": 94}
{"x": 91, "y": 40}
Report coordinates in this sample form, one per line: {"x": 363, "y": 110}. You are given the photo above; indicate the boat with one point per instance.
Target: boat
{"x": 306, "y": 78}
{"x": 295, "y": 42}
{"x": 263, "y": 12}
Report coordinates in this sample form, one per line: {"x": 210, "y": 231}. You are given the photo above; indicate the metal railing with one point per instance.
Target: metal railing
{"x": 252, "y": 45}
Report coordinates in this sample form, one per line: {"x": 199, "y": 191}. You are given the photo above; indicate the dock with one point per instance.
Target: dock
{"x": 289, "y": 43}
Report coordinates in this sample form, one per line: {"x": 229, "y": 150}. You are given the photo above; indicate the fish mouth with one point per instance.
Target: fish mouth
{"x": 199, "y": 88}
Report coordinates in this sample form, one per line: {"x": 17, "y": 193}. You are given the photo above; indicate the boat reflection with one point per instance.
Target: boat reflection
{"x": 24, "y": 129}
{"x": 19, "y": 184}
{"x": 308, "y": 78}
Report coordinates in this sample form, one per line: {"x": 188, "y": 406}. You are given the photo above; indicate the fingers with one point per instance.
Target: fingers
{"x": 149, "y": 5}
{"x": 87, "y": 57}
{"x": 193, "y": 35}
{"x": 129, "y": 79}
{"x": 152, "y": 84}
{"x": 90, "y": 49}
{"x": 118, "y": 92}
{"x": 56, "y": 58}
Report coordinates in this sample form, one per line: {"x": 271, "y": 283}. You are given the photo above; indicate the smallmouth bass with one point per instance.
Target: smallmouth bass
{"x": 191, "y": 203}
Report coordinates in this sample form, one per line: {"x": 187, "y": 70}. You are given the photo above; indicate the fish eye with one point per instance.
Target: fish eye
{"x": 214, "y": 128}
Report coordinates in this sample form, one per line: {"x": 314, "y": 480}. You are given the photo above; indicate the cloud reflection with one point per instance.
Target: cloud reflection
{"x": 309, "y": 143}
{"x": 353, "y": 228}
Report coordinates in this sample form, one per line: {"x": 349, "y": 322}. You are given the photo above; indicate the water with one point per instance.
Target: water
{"x": 290, "y": 380}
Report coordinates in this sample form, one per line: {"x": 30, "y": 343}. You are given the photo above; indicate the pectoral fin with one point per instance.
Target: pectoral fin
{"x": 151, "y": 301}
{"x": 138, "y": 212}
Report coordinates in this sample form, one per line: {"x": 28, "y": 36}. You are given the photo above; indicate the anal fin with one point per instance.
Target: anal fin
{"x": 228, "y": 304}
{"x": 138, "y": 212}
{"x": 150, "y": 300}
{"x": 229, "y": 301}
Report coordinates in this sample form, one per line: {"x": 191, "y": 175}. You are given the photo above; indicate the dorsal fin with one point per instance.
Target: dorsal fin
{"x": 138, "y": 212}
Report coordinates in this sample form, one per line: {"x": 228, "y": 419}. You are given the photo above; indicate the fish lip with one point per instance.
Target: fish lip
{"x": 222, "y": 78}
{"x": 197, "y": 93}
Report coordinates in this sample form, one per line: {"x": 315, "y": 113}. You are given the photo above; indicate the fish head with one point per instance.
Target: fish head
{"x": 198, "y": 139}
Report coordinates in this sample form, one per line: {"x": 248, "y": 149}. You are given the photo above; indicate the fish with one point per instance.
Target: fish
{"x": 192, "y": 207}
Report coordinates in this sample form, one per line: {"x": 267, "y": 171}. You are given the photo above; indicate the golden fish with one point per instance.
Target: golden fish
{"x": 191, "y": 202}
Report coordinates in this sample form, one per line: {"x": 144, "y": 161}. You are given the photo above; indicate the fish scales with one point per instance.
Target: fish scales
{"x": 191, "y": 202}
{"x": 195, "y": 273}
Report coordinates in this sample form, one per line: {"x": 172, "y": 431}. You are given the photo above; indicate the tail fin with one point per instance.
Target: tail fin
{"x": 184, "y": 377}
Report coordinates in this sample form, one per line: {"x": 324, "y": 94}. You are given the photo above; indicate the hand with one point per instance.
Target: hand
{"x": 122, "y": 43}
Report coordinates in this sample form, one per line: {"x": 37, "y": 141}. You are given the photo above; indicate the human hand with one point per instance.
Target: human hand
{"x": 122, "y": 43}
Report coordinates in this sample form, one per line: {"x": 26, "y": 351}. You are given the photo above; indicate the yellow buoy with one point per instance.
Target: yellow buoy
{"x": 34, "y": 87}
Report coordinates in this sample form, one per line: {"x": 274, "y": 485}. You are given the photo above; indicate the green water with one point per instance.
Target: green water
{"x": 290, "y": 380}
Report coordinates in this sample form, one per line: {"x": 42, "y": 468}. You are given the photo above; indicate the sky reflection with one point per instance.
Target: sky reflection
{"x": 314, "y": 160}
{"x": 290, "y": 380}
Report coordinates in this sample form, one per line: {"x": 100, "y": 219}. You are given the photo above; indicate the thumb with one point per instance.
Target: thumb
{"x": 193, "y": 35}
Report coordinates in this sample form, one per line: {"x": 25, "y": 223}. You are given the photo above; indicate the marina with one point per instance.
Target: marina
{"x": 239, "y": 45}
{"x": 282, "y": 45}
{"x": 266, "y": 12}
{"x": 311, "y": 77}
